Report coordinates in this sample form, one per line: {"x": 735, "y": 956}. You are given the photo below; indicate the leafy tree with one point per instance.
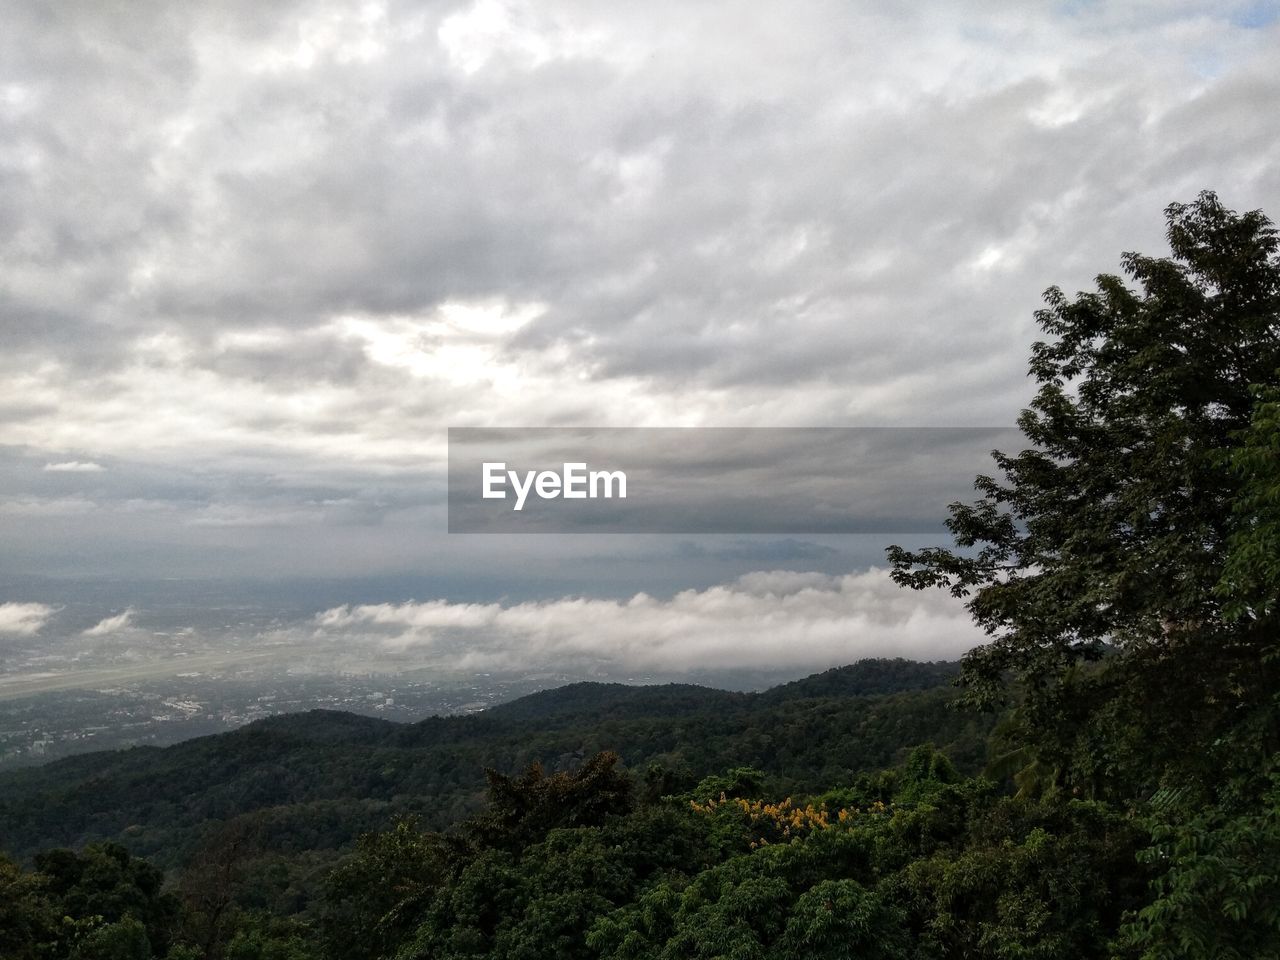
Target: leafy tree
{"x": 262, "y": 937}
{"x": 841, "y": 920}
{"x": 1219, "y": 890}
{"x": 209, "y": 883}
{"x": 738, "y": 782}
{"x": 524, "y": 808}
{"x": 376, "y": 897}
{"x": 99, "y": 904}
{"x": 663, "y": 779}
{"x": 115, "y": 902}
{"x": 123, "y": 940}
{"x": 28, "y": 918}
{"x": 1022, "y": 881}
{"x": 1095, "y": 562}
{"x": 1251, "y": 578}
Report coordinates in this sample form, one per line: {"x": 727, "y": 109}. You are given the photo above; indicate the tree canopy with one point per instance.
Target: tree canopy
{"x": 1137, "y": 530}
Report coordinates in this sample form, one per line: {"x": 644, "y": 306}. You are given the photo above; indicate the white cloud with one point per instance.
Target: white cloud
{"x": 763, "y": 620}
{"x": 553, "y": 213}
{"x": 110, "y": 625}
{"x": 73, "y": 466}
{"x": 24, "y": 618}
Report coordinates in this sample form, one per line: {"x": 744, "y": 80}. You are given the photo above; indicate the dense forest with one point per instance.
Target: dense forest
{"x": 1101, "y": 779}
{"x": 315, "y": 781}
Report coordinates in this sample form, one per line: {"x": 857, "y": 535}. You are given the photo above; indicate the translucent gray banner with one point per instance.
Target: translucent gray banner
{"x": 696, "y": 480}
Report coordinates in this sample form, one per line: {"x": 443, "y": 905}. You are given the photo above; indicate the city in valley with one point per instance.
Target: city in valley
{"x": 172, "y": 666}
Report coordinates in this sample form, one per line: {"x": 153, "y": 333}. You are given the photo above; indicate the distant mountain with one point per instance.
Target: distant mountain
{"x": 867, "y": 678}
{"x": 601, "y": 701}
{"x": 328, "y": 726}
{"x": 316, "y": 780}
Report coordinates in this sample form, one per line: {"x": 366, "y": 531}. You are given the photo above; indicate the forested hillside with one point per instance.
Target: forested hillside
{"x": 315, "y": 781}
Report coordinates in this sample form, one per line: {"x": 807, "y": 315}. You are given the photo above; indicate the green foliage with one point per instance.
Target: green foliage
{"x": 945, "y": 868}
{"x": 525, "y": 808}
{"x": 905, "y": 864}
{"x": 1251, "y": 575}
{"x": 840, "y": 920}
{"x": 28, "y": 916}
{"x": 99, "y": 904}
{"x": 125, "y": 939}
{"x": 738, "y": 782}
{"x": 1218, "y": 891}
{"x": 538, "y": 900}
{"x": 1026, "y": 881}
{"x": 1096, "y": 562}
{"x": 261, "y": 937}
{"x": 772, "y": 902}
{"x": 374, "y": 896}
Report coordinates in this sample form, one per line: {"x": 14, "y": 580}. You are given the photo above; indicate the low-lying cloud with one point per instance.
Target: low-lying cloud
{"x": 24, "y": 619}
{"x": 764, "y": 620}
{"x": 109, "y": 625}
{"x": 74, "y": 466}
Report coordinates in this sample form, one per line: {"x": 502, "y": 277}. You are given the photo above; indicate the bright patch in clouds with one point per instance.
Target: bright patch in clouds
{"x": 461, "y": 344}
{"x": 491, "y": 30}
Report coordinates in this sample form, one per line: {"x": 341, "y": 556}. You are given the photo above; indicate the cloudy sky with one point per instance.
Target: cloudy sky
{"x": 256, "y": 258}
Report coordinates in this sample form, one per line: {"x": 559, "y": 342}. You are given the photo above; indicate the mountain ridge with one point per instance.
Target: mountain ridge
{"x": 161, "y": 801}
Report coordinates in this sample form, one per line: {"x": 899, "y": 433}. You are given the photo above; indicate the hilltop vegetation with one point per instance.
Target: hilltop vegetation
{"x": 257, "y": 825}
{"x": 663, "y": 859}
{"x": 315, "y": 781}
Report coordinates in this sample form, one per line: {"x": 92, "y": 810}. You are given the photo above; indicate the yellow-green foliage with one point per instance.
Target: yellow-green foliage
{"x": 785, "y": 819}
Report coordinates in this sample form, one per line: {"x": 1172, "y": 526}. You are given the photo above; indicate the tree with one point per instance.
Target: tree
{"x": 1251, "y": 579}
{"x": 1219, "y": 891}
{"x": 522, "y": 809}
{"x": 1095, "y": 563}
{"x": 209, "y": 882}
{"x": 375, "y": 898}
{"x": 28, "y": 918}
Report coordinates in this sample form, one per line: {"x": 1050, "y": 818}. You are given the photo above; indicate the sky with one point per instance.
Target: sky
{"x": 256, "y": 259}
